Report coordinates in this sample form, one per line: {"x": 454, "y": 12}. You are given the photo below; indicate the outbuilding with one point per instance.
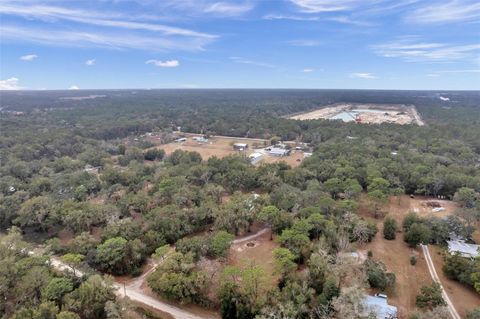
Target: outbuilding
{"x": 275, "y": 151}
{"x": 240, "y": 146}
{"x": 200, "y": 139}
{"x": 255, "y": 158}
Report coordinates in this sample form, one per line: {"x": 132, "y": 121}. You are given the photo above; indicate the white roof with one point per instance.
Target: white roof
{"x": 255, "y": 155}
{"x": 380, "y": 307}
{"x": 459, "y": 246}
{"x": 241, "y": 144}
{"x": 278, "y": 151}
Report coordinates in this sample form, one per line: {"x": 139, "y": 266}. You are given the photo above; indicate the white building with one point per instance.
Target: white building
{"x": 200, "y": 139}
{"x": 465, "y": 250}
{"x": 240, "y": 146}
{"x": 255, "y": 158}
{"x": 278, "y": 152}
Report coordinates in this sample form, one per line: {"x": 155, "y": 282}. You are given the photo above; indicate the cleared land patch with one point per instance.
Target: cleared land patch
{"x": 221, "y": 146}
{"x": 395, "y": 254}
{"x": 364, "y": 113}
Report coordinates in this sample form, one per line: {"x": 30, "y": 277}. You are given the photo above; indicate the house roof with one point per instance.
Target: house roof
{"x": 255, "y": 155}
{"x": 466, "y": 250}
{"x": 380, "y": 307}
{"x": 278, "y": 151}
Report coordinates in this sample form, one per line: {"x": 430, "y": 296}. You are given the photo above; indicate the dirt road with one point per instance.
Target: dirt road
{"x": 433, "y": 273}
{"x": 250, "y": 237}
{"x": 133, "y": 288}
{"x": 134, "y": 292}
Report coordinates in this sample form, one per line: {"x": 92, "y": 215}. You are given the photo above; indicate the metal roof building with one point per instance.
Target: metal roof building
{"x": 464, "y": 249}
{"x": 278, "y": 152}
{"x": 255, "y": 157}
{"x": 380, "y": 307}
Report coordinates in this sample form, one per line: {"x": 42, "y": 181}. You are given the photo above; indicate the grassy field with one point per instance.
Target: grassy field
{"x": 395, "y": 254}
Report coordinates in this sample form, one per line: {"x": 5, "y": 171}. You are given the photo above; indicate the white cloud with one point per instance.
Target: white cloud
{"x": 74, "y": 87}
{"x": 411, "y": 49}
{"x": 228, "y": 9}
{"x": 105, "y": 40}
{"x": 465, "y": 71}
{"x": 316, "y": 6}
{"x": 447, "y": 11}
{"x": 349, "y": 20}
{"x": 9, "y": 84}
{"x": 304, "y": 43}
{"x": 90, "y": 62}
{"x": 164, "y": 64}
{"x": 28, "y": 57}
{"x": 307, "y": 70}
{"x": 363, "y": 75}
{"x": 241, "y": 60}
{"x": 52, "y": 13}
{"x": 158, "y": 37}
{"x": 208, "y": 8}
{"x": 273, "y": 16}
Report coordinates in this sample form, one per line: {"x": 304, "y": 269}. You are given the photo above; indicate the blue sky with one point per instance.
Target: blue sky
{"x": 380, "y": 44}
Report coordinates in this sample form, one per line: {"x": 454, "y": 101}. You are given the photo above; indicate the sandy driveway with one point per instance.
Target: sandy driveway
{"x": 433, "y": 273}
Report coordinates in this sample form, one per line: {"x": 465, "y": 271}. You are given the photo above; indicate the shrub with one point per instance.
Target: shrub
{"x": 430, "y": 296}
{"x": 389, "y": 228}
{"x": 413, "y": 260}
{"x": 377, "y": 275}
{"x": 416, "y": 234}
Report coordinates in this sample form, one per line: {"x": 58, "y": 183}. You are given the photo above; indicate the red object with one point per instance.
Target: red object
{"x": 358, "y": 119}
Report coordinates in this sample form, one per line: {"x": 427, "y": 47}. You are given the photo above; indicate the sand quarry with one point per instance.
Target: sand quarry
{"x": 366, "y": 113}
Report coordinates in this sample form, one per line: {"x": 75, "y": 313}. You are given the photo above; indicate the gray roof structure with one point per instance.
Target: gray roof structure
{"x": 380, "y": 307}
{"x": 464, "y": 249}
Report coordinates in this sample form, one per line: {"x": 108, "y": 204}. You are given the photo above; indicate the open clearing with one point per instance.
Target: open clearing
{"x": 395, "y": 254}
{"x": 257, "y": 251}
{"x": 464, "y": 299}
{"x": 221, "y": 146}
{"x": 364, "y": 113}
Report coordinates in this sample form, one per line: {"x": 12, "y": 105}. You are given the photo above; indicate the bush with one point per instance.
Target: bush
{"x": 430, "y": 296}
{"x": 460, "y": 269}
{"x": 389, "y": 228}
{"x": 377, "y": 275}
{"x": 416, "y": 234}
{"x": 413, "y": 260}
{"x": 474, "y": 314}
{"x": 154, "y": 154}
{"x": 220, "y": 243}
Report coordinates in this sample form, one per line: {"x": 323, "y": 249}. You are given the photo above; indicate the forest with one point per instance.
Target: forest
{"x": 72, "y": 186}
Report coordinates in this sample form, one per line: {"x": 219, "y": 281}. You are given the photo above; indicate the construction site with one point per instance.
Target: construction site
{"x": 364, "y": 113}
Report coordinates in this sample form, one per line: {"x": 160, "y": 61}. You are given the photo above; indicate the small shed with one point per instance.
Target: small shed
{"x": 240, "y": 146}
{"x": 461, "y": 247}
{"x": 379, "y": 306}
{"x": 200, "y": 139}
{"x": 255, "y": 158}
